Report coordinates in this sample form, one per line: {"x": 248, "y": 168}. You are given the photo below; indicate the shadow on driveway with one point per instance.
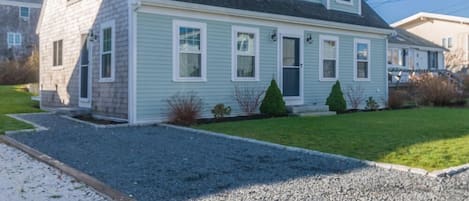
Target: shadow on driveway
{"x": 159, "y": 163}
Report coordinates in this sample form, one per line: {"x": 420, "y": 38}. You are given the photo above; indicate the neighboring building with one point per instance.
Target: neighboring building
{"x": 18, "y": 21}
{"x": 451, "y": 32}
{"x": 124, "y": 59}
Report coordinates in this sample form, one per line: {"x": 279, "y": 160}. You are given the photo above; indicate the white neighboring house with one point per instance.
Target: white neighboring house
{"x": 409, "y": 53}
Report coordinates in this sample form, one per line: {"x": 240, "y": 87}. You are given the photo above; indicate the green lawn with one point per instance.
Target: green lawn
{"x": 429, "y": 138}
{"x": 14, "y": 99}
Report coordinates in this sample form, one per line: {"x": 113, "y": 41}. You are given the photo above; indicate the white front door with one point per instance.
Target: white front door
{"x": 85, "y": 74}
{"x": 291, "y": 69}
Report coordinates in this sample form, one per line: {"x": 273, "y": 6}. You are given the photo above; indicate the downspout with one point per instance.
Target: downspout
{"x": 133, "y": 7}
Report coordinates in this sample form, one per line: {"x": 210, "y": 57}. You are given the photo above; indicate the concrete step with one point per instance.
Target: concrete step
{"x": 307, "y": 109}
{"x": 315, "y": 114}
{"x": 71, "y": 111}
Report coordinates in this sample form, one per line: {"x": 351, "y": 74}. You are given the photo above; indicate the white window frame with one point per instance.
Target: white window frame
{"x": 29, "y": 12}
{"x": 355, "y": 60}
{"x": 203, "y": 50}
{"x": 106, "y": 25}
{"x": 323, "y": 38}
{"x": 235, "y": 54}
{"x": 345, "y": 2}
{"x": 15, "y": 42}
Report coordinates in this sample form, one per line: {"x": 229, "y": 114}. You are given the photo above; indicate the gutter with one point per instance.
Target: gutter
{"x": 192, "y": 7}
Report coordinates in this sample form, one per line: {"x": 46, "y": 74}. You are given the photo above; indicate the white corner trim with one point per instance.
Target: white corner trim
{"x": 234, "y": 53}
{"x": 350, "y": 3}
{"x": 323, "y": 38}
{"x": 328, "y": 4}
{"x": 203, "y": 50}
{"x": 355, "y": 60}
{"x": 109, "y": 24}
{"x": 132, "y": 61}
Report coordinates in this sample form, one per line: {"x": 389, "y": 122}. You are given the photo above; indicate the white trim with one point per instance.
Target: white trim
{"x": 109, "y": 24}
{"x": 203, "y": 50}
{"x": 86, "y": 102}
{"x": 132, "y": 59}
{"x": 345, "y": 2}
{"x": 423, "y": 15}
{"x": 356, "y": 41}
{"x": 359, "y": 7}
{"x": 191, "y": 10}
{"x": 234, "y": 53}
{"x": 20, "y": 4}
{"x": 328, "y": 4}
{"x": 386, "y": 90}
{"x": 323, "y": 38}
{"x": 61, "y": 66}
{"x": 292, "y": 33}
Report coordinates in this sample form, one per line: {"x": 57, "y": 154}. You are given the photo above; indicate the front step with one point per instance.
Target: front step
{"x": 309, "y": 110}
{"x": 68, "y": 111}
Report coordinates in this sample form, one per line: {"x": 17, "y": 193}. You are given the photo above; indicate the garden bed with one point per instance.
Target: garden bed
{"x": 93, "y": 120}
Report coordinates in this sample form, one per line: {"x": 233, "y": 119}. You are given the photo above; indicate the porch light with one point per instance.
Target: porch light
{"x": 273, "y": 36}
{"x": 309, "y": 39}
{"x": 92, "y": 36}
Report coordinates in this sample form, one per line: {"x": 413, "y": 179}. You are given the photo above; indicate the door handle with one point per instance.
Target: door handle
{"x": 301, "y": 65}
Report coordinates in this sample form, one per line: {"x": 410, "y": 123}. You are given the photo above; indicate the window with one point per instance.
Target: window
{"x": 189, "y": 56}
{"x": 432, "y": 60}
{"x": 329, "y": 54}
{"x": 245, "y": 54}
{"x": 107, "y": 52}
{"x": 443, "y": 42}
{"x": 447, "y": 42}
{"x": 13, "y": 39}
{"x": 348, "y": 2}
{"x": 58, "y": 53}
{"x": 397, "y": 57}
{"x": 362, "y": 60}
{"x": 450, "y": 42}
{"x": 24, "y": 12}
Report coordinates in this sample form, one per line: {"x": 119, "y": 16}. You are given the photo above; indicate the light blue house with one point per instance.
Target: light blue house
{"x": 157, "y": 48}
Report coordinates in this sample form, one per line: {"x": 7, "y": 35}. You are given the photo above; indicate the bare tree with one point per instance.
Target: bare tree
{"x": 455, "y": 59}
{"x": 355, "y": 95}
{"x": 248, "y": 99}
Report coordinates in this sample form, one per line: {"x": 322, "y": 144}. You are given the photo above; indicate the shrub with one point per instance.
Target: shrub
{"x": 219, "y": 111}
{"x": 336, "y": 101}
{"x": 21, "y": 71}
{"x": 434, "y": 91}
{"x": 248, "y": 99}
{"x": 355, "y": 96}
{"x": 184, "y": 108}
{"x": 371, "y": 104}
{"x": 273, "y": 103}
{"x": 396, "y": 99}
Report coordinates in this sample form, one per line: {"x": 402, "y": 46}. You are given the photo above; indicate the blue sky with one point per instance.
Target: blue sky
{"x": 395, "y": 10}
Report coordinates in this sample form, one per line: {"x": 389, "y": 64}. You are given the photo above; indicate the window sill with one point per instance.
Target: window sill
{"x": 362, "y": 79}
{"x": 56, "y": 68}
{"x": 106, "y": 80}
{"x": 328, "y": 79}
{"x": 245, "y": 79}
{"x": 189, "y": 80}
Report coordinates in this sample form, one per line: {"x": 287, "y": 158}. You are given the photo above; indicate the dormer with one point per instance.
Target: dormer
{"x": 349, "y": 6}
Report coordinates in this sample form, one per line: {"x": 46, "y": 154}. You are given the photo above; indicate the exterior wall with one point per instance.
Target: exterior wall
{"x": 155, "y": 66}
{"x": 11, "y": 22}
{"x": 436, "y": 30}
{"x": 69, "y": 22}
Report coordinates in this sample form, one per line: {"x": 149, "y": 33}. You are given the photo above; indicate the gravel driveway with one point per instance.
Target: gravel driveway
{"x": 23, "y": 178}
{"x": 159, "y": 163}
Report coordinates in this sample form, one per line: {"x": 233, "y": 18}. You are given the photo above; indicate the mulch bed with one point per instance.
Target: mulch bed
{"x": 91, "y": 119}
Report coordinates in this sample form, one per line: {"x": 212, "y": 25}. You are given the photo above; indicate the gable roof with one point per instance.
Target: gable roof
{"x": 302, "y": 9}
{"x": 406, "y": 38}
{"x": 421, "y": 15}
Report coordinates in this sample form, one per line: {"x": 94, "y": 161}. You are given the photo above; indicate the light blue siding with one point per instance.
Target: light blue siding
{"x": 334, "y": 5}
{"x": 155, "y": 68}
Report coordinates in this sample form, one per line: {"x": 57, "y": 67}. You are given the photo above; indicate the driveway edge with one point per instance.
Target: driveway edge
{"x": 402, "y": 168}
{"x": 36, "y": 128}
{"x": 97, "y": 185}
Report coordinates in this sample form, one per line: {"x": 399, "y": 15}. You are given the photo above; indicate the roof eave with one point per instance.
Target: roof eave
{"x": 264, "y": 16}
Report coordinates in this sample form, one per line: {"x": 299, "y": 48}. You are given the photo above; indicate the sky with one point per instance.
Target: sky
{"x": 395, "y": 10}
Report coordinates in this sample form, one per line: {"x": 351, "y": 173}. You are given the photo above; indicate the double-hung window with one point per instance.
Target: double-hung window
{"x": 57, "y": 53}
{"x": 432, "y": 60}
{"x": 107, "y": 37}
{"x": 189, "y": 51}
{"x": 362, "y": 60}
{"x": 328, "y": 61}
{"x": 245, "y": 54}
{"x": 24, "y": 13}
{"x": 13, "y": 39}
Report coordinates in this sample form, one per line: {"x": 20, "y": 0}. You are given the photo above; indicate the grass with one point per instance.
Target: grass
{"x": 428, "y": 138}
{"x": 14, "y": 99}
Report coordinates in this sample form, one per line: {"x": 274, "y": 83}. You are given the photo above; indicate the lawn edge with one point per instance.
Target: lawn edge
{"x": 402, "y": 168}
{"x": 100, "y": 187}
{"x": 17, "y": 117}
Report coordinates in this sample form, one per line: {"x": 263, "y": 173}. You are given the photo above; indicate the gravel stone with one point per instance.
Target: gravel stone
{"x": 23, "y": 178}
{"x": 160, "y": 163}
